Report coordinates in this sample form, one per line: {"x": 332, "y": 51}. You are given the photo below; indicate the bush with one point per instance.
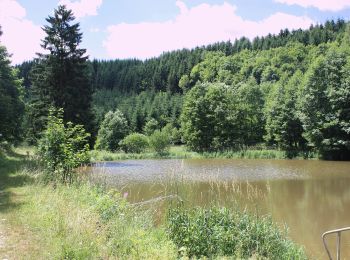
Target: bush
{"x": 113, "y": 129}
{"x": 159, "y": 141}
{"x": 220, "y": 232}
{"x": 174, "y": 133}
{"x": 62, "y": 148}
{"x": 151, "y": 126}
{"x": 134, "y": 143}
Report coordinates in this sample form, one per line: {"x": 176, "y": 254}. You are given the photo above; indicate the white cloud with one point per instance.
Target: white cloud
{"x": 197, "y": 26}
{"x": 20, "y": 35}
{"x": 94, "y": 29}
{"x": 83, "y": 7}
{"x": 323, "y": 5}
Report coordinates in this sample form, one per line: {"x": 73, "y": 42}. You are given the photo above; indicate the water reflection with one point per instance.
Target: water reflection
{"x": 310, "y": 197}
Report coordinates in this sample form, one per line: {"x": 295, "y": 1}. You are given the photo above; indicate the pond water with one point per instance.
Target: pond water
{"x": 310, "y": 197}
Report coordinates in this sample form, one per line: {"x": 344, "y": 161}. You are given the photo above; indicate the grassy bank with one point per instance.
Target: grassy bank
{"x": 175, "y": 152}
{"x": 83, "y": 221}
{"x": 180, "y": 152}
{"x": 71, "y": 222}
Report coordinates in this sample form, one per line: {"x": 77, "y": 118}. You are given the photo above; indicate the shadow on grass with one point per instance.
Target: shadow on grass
{"x": 10, "y": 177}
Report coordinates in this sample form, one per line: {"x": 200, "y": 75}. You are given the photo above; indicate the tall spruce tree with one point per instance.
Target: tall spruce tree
{"x": 60, "y": 77}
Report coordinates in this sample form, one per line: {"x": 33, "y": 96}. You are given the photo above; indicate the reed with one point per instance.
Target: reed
{"x": 220, "y": 232}
{"x": 180, "y": 152}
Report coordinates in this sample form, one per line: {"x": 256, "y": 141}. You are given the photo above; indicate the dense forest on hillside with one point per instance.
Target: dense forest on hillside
{"x": 164, "y": 72}
{"x": 289, "y": 91}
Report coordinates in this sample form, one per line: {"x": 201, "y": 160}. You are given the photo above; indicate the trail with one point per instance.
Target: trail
{"x": 2, "y": 240}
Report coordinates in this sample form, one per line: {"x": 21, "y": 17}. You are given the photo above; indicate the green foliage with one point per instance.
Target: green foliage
{"x": 112, "y": 130}
{"x": 208, "y": 117}
{"x": 250, "y": 112}
{"x": 264, "y": 66}
{"x": 326, "y": 105}
{"x": 185, "y": 83}
{"x": 175, "y": 152}
{"x": 221, "y": 232}
{"x": 151, "y": 126}
{"x": 60, "y": 77}
{"x": 141, "y": 108}
{"x": 283, "y": 125}
{"x": 175, "y": 134}
{"x": 134, "y": 143}
{"x": 165, "y": 72}
{"x": 218, "y": 117}
{"x": 258, "y": 94}
{"x": 159, "y": 141}
{"x": 62, "y": 148}
{"x": 11, "y": 105}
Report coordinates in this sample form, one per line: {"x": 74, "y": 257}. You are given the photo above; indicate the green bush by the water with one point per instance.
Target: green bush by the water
{"x": 219, "y": 232}
{"x": 159, "y": 141}
{"x": 112, "y": 130}
{"x": 134, "y": 143}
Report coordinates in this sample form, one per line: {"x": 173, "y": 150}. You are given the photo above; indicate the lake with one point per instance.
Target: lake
{"x": 310, "y": 197}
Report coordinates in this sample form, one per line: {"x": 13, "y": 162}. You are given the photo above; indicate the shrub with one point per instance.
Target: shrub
{"x": 174, "y": 133}
{"x": 134, "y": 143}
{"x": 159, "y": 141}
{"x": 62, "y": 147}
{"x": 151, "y": 126}
{"x": 113, "y": 129}
{"x": 221, "y": 232}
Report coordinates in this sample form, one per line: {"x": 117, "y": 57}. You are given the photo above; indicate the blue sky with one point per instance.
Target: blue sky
{"x": 146, "y": 28}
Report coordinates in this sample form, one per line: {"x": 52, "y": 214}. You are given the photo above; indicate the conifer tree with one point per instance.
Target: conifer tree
{"x": 11, "y": 105}
{"x": 60, "y": 76}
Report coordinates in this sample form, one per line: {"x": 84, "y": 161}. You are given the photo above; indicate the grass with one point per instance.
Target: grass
{"x": 176, "y": 152}
{"x": 72, "y": 222}
{"x": 180, "y": 152}
{"x": 261, "y": 154}
{"x": 220, "y": 232}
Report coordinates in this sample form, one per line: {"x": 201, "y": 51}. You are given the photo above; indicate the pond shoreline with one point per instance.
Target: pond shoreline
{"x": 293, "y": 192}
{"x": 180, "y": 152}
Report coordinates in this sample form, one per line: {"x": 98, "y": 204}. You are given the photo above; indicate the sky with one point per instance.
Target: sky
{"x": 120, "y": 29}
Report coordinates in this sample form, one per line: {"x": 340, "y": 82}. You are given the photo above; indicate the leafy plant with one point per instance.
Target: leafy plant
{"x": 113, "y": 129}
{"x": 134, "y": 143}
{"x": 159, "y": 141}
{"x": 62, "y": 148}
{"x": 151, "y": 126}
{"x": 221, "y": 232}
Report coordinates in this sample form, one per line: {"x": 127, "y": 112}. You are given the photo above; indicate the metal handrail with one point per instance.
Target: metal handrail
{"x": 338, "y": 231}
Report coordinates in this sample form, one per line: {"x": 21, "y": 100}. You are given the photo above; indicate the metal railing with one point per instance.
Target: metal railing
{"x": 338, "y": 232}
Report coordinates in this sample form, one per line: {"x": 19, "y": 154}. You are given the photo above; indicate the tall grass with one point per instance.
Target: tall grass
{"x": 180, "y": 152}
{"x": 219, "y": 232}
{"x": 260, "y": 154}
{"x": 79, "y": 221}
{"x": 85, "y": 222}
{"x": 176, "y": 152}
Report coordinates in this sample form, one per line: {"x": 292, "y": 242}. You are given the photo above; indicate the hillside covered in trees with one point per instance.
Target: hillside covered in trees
{"x": 290, "y": 91}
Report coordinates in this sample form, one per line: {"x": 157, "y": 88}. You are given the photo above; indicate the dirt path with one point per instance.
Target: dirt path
{"x": 3, "y": 255}
{"x": 2, "y": 235}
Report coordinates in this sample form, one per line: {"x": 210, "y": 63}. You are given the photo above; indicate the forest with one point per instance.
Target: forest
{"x": 288, "y": 91}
